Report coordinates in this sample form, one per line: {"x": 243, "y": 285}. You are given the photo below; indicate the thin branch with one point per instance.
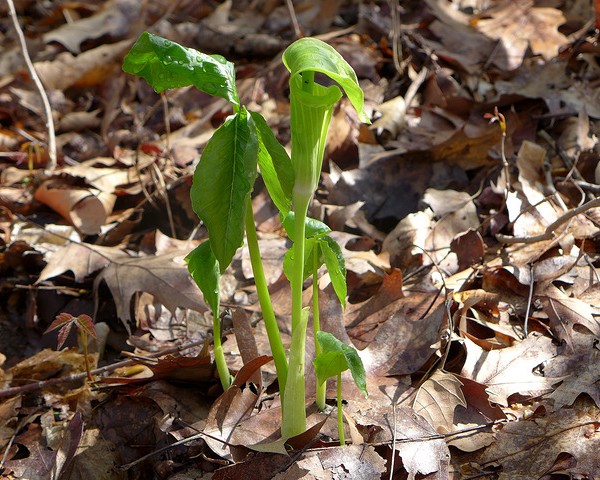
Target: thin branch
{"x": 550, "y": 229}
{"x": 51, "y": 166}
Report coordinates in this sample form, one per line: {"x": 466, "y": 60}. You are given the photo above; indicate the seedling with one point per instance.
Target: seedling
{"x": 223, "y": 183}
{"x": 85, "y": 329}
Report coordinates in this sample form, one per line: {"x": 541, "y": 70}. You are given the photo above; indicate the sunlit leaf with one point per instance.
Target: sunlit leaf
{"x": 165, "y": 64}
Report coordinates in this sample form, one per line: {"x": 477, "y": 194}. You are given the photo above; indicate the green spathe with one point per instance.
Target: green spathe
{"x": 311, "y": 54}
{"x": 310, "y": 115}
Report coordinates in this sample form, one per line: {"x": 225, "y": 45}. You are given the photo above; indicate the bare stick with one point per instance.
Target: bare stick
{"x": 296, "y": 25}
{"x": 51, "y": 166}
{"x": 80, "y": 377}
{"x": 549, "y": 233}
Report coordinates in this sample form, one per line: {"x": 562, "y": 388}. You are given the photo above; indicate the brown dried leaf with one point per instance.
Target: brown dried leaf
{"x": 86, "y": 69}
{"x": 405, "y": 341}
{"x": 564, "y": 312}
{"x": 417, "y": 443}
{"x": 580, "y": 368}
{"x": 517, "y": 25}
{"x": 164, "y": 276}
{"x": 83, "y": 259}
{"x": 114, "y": 19}
{"x": 527, "y": 449}
{"x": 510, "y": 370}
{"x": 437, "y": 398}
{"x": 344, "y": 463}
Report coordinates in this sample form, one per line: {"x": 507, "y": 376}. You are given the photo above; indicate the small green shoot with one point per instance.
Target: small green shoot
{"x": 224, "y": 179}
{"x": 85, "y": 329}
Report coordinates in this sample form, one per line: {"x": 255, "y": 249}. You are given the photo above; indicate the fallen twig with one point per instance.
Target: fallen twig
{"x": 550, "y": 229}
{"x": 51, "y": 166}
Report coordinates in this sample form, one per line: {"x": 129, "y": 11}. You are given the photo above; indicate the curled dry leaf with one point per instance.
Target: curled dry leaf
{"x": 86, "y": 208}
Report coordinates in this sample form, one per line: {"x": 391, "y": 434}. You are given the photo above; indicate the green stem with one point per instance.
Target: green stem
{"x": 84, "y": 344}
{"x": 300, "y": 209}
{"x": 321, "y": 387}
{"x": 264, "y": 299}
{"x": 294, "y": 409}
{"x": 222, "y": 368}
{"x": 340, "y": 415}
{"x": 294, "y": 405}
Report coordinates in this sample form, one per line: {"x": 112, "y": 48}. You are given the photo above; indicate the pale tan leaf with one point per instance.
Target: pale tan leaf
{"x": 88, "y": 68}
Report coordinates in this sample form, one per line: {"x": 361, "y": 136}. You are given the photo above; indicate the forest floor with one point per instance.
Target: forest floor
{"x": 467, "y": 213}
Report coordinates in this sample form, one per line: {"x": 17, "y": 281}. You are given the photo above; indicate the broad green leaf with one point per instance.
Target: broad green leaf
{"x": 204, "y": 269}
{"x": 310, "y": 54}
{"x": 165, "y": 64}
{"x": 288, "y": 259}
{"x": 275, "y": 165}
{"x": 223, "y": 182}
{"x": 336, "y": 266}
{"x": 337, "y": 357}
{"x": 312, "y": 227}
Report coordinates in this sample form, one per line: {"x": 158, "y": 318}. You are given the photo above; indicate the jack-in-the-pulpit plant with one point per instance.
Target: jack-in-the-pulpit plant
{"x": 221, "y": 197}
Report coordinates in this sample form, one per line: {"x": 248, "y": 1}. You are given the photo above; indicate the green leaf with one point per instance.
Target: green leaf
{"x": 165, "y": 64}
{"x": 275, "y": 165}
{"x": 336, "y": 266}
{"x": 204, "y": 269}
{"x": 337, "y": 357}
{"x": 315, "y": 55}
{"x": 312, "y": 227}
{"x": 288, "y": 260}
{"x": 223, "y": 182}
